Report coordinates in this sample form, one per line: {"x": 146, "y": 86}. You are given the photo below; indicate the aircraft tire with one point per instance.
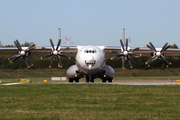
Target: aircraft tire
{"x": 70, "y": 80}
{"x": 77, "y": 80}
{"x": 110, "y": 80}
{"x": 104, "y": 80}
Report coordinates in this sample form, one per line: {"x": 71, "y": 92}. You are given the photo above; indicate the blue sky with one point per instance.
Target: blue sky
{"x": 90, "y": 22}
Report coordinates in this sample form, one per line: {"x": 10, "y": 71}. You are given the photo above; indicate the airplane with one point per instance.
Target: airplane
{"x": 90, "y": 61}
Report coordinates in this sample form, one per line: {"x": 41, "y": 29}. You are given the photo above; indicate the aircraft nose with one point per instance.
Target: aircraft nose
{"x": 90, "y": 59}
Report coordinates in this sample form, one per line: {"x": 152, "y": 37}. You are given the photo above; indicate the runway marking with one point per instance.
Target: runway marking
{"x": 11, "y": 83}
{"x": 115, "y": 83}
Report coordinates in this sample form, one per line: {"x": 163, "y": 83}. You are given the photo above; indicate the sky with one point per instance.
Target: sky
{"x": 90, "y": 22}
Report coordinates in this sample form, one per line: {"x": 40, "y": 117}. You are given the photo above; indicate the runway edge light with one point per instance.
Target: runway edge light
{"x": 45, "y": 80}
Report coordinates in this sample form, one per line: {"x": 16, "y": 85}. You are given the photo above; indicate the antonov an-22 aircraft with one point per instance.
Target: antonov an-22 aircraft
{"x": 90, "y": 61}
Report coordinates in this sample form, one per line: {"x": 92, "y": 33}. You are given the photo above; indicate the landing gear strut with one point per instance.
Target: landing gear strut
{"x": 89, "y": 79}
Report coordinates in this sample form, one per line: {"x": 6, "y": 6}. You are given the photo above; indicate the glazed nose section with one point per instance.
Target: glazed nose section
{"x": 90, "y": 61}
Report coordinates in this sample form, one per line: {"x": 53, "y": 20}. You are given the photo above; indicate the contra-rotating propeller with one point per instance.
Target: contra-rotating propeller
{"x": 56, "y": 53}
{"x": 22, "y": 53}
{"x": 158, "y": 54}
{"x": 125, "y": 53}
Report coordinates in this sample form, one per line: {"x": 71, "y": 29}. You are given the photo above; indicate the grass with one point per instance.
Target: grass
{"x": 89, "y": 101}
{"x": 62, "y": 72}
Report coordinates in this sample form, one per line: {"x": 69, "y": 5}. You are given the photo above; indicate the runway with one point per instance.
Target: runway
{"x": 148, "y": 83}
{"x": 117, "y": 83}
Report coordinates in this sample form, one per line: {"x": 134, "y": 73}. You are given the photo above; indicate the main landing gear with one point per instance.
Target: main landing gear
{"x": 90, "y": 79}
{"x": 71, "y": 80}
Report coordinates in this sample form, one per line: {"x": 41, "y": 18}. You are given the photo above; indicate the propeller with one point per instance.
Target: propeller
{"x": 22, "y": 53}
{"x": 55, "y": 52}
{"x": 125, "y": 53}
{"x": 158, "y": 54}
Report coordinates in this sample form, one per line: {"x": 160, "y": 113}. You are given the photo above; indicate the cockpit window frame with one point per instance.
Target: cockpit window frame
{"x": 90, "y": 51}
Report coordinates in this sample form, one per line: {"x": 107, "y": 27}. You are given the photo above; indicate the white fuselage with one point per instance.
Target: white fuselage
{"x": 90, "y": 59}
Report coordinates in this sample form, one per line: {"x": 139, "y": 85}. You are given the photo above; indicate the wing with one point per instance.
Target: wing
{"x": 64, "y": 51}
{"x": 150, "y": 50}
{"x": 145, "y": 51}
{"x": 39, "y": 51}
{"x": 8, "y": 50}
{"x": 107, "y": 50}
{"x": 71, "y": 52}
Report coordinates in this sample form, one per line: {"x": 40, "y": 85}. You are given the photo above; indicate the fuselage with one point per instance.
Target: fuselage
{"x": 90, "y": 59}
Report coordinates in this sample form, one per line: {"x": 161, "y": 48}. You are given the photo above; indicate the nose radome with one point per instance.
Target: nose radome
{"x": 90, "y": 59}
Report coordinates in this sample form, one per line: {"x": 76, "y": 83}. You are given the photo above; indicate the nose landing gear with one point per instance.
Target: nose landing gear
{"x": 89, "y": 78}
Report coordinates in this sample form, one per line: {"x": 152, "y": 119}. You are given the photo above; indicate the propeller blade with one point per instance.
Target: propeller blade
{"x": 149, "y": 47}
{"x": 29, "y": 61}
{"x": 59, "y": 61}
{"x": 124, "y": 62}
{"x": 51, "y": 62}
{"x": 167, "y": 47}
{"x": 129, "y": 62}
{"x": 52, "y": 43}
{"x": 117, "y": 52}
{"x": 126, "y": 44}
{"x": 135, "y": 54}
{"x": 153, "y": 59}
{"x": 46, "y": 56}
{"x": 31, "y": 48}
{"x": 147, "y": 63}
{"x": 152, "y": 46}
{"x": 122, "y": 45}
{"x": 164, "y": 47}
{"x": 18, "y": 45}
{"x": 59, "y": 43}
{"x": 15, "y": 58}
{"x": 45, "y": 49}
{"x": 26, "y": 61}
{"x": 134, "y": 49}
{"x": 116, "y": 57}
{"x": 165, "y": 60}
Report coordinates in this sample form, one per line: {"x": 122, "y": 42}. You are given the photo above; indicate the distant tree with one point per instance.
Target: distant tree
{"x": 9, "y": 46}
{"x": 27, "y": 44}
{"x": 174, "y": 46}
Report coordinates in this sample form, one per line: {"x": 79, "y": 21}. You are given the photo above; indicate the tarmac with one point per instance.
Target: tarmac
{"x": 118, "y": 83}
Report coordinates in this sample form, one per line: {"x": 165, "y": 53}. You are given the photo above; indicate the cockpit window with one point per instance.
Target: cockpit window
{"x": 90, "y": 51}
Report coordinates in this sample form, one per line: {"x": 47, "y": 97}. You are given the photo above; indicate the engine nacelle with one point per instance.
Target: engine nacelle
{"x": 108, "y": 72}
{"x": 73, "y": 72}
